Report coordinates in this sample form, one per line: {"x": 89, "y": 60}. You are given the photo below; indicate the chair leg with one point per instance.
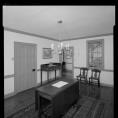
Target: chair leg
{"x": 86, "y": 80}
{"x": 80, "y": 78}
{"x": 89, "y": 80}
{"x": 98, "y": 83}
{"x": 77, "y": 77}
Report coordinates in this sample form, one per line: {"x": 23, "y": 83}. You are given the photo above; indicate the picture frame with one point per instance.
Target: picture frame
{"x": 47, "y": 53}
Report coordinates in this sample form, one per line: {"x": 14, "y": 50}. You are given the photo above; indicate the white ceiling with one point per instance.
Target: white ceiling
{"x": 78, "y": 21}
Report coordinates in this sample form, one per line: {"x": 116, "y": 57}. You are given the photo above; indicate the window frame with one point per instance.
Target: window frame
{"x": 87, "y": 54}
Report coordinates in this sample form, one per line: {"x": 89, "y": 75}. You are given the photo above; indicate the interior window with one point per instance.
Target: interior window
{"x": 95, "y": 53}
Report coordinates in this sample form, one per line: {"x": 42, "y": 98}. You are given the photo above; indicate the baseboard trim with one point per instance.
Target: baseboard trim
{"x": 9, "y": 76}
{"x": 106, "y": 85}
{"x": 106, "y": 70}
{"x": 37, "y": 85}
{"x": 9, "y": 95}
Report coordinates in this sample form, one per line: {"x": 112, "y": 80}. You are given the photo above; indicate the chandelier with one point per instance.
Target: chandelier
{"x": 60, "y": 47}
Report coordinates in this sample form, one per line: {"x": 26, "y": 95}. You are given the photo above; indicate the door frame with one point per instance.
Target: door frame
{"x": 72, "y": 60}
{"x": 29, "y": 44}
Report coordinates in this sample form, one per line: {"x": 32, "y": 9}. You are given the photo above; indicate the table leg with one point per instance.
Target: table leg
{"x": 41, "y": 77}
{"x": 53, "y": 109}
{"x": 48, "y": 75}
{"x": 55, "y": 74}
{"x": 36, "y": 100}
{"x": 39, "y": 107}
{"x": 60, "y": 71}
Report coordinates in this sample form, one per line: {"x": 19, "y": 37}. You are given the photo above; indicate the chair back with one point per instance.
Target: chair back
{"x": 95, "y": 73}
{"x": 84, "y": 71}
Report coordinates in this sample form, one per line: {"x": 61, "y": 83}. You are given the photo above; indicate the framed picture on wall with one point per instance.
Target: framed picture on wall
{"x": 47, "y": 53}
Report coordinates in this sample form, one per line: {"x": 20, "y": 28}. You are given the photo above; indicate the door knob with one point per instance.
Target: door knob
{"x": 33, "y": 69}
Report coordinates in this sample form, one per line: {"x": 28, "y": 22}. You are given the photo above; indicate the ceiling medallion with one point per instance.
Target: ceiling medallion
{"x": 60, "y": 21}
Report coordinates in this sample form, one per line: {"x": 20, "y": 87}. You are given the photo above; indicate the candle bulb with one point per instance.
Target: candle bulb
{"x": 61, "y": 45}
{"x": 68, "y": 46}
{"x": 52, "y": 46}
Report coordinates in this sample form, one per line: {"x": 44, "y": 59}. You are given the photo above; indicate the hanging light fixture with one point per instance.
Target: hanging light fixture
{"x": 60, "y": 21}
{"x": 60, "y": 46}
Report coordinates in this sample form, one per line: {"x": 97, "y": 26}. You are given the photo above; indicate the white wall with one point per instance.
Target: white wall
{"x": 81, "y": 61}
{"x": 79, "y": 56}
{"x": 8, "y": 86}
{"x": 9, "y": 38}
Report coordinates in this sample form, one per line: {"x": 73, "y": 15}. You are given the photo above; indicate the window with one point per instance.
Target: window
{"x": 95, "y": 53}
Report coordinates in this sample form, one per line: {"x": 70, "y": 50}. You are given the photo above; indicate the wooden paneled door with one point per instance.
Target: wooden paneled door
{"x": 25, "y": 64}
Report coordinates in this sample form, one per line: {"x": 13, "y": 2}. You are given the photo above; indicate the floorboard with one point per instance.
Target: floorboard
{"x": 25, "y": 98}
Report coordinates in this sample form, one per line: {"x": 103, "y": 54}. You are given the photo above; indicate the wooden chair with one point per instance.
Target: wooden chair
{"x": 95, "y": 76}
{"x": 83, "y": 74}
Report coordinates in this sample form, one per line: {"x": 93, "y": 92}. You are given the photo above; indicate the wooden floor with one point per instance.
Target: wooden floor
{"x": 25, "y": 98}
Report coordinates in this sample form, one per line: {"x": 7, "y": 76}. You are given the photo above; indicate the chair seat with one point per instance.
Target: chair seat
{"x": 82, "y": 76}
{"x": 93, "y": 78}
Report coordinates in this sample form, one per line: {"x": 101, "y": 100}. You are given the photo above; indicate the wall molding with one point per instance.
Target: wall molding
{"x": 9, "y": 76}
{"x": 68, "y": 63}
{"x": 49, "y": 38}
{"x": 85, "y": 37}
{"x": 30, "y": 34}
{"x": 38, "y": 69}
{"x": 107, "y": 70}
{"x": 106, "y": 85}
{"x": 9, "y": 95}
